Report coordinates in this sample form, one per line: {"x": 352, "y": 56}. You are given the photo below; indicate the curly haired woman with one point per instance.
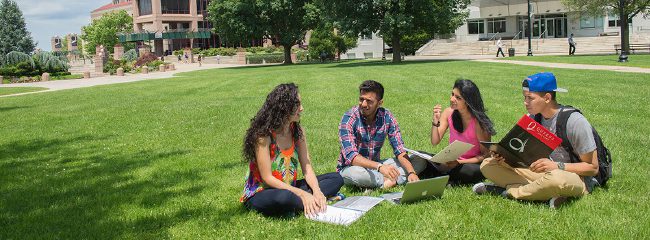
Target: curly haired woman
{"x": 274, "y": 145}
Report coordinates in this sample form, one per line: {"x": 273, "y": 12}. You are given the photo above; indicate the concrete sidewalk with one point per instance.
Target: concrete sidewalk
{"x": 81, "y": 83}
{"x": 570, "y": 65}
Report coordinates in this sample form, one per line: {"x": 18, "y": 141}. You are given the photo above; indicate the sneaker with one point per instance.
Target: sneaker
{"x": 556, "y": 202}
{"x": 337, "y": 197}
{"x": 488, "y": 188}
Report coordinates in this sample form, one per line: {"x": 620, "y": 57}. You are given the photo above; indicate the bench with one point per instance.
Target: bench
{"x": 634, "y": 47}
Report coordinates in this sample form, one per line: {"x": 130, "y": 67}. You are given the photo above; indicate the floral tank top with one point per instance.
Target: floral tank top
{"x": 284, "y": 165}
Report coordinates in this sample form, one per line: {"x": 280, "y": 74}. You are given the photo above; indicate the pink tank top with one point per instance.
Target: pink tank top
{"x": 468, "y": 136}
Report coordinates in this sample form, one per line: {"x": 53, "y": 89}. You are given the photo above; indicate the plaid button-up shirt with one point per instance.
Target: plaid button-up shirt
{"x": 357, "y": 138}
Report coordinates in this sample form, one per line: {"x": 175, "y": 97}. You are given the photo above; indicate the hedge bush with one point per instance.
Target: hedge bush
{"x": 265, "y": 57}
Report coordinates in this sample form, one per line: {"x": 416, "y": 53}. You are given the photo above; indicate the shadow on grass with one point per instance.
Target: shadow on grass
{"x": 65, "y": 188}
{"x": 5, "y": 109}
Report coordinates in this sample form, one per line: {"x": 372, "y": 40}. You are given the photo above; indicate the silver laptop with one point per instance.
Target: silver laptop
{"x": 420, "y": 190}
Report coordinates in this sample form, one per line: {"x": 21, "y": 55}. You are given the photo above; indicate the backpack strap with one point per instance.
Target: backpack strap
{"x": 561, "y": 127}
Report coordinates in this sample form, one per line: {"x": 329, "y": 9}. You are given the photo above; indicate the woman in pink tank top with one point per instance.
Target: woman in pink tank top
{"x": 467, "y": 122}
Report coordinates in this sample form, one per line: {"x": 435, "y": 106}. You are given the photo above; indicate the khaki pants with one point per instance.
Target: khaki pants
{"x": 524, "y": 184}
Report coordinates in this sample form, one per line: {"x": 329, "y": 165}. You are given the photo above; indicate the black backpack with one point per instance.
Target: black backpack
{"x": 604, "y": 156}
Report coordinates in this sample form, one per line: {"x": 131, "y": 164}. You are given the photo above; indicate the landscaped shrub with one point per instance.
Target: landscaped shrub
{"x": 155, "y": 64}
{"x": 18, "y": 70}
{"x": 265, "y": 57}
{"x": 270, "y": 49}
{"x": 145, "y": 59}
{"x": 111, "y": 66}
{"x": 14, "y": 58}
{"x": 50, "y": 62}
{"x": 130, "y": 55}
{"x": 219, "y": 51}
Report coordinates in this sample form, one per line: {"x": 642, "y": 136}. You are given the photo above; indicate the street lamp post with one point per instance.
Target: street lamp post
{"x": 623, "y": 22}
{"x": 530, "y": 30}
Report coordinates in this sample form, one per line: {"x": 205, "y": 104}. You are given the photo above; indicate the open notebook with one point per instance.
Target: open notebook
{"x": 347, "y": 211}
{"x": 450, "y": 153}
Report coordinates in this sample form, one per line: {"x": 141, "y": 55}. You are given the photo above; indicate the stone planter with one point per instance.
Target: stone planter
{"x": 86, "y": 75}
{"x": 120, "y": 72}
{"x": 145, "y": 70}
{"x": 162, "y": 68}
{"x": 45, "y": 77}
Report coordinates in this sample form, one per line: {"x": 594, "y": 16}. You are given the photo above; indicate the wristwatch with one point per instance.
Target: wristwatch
{"x": 436, "y": 124}
{"x": 411, "y": 173}
{"x": 560, "y": 165}
{"x": 379, "y": 166}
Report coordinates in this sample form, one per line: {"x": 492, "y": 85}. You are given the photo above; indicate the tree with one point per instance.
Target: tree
{"x": 13, "y": 32}
{"x": 286, "y": 21}
{"x": 412, "y": 42}
{"x": 626, "y": 10}
{"x": 103, "y": 31}
{"x": 326, "y": 39}
{"x": 393, "y": 19}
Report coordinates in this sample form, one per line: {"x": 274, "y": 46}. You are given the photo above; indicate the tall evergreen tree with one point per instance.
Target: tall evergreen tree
{"x": 13, "y": 31}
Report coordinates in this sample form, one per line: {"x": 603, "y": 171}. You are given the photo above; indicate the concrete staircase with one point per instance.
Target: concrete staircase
{"x": 550, "y": 46}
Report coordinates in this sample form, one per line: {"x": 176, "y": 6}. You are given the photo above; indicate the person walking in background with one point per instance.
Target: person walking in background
{"x": 500, "y": 48}
{"x": 199, "y": 58}
{"x": 572, "y": 45}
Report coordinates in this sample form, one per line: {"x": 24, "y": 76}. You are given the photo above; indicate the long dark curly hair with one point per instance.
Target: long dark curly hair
{"x": 469, "y": 91}
{"x": 279, "y": 105}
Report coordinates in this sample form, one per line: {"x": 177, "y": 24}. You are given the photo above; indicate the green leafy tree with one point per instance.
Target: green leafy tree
{"x": 326, "y": 39}
{"x": 625, "y": 9}
{"x": 13, "y": 32}
{"x": 286, "y": 21}
{"x": 103, "y": 31}
{"x": 393, "y": 19}
{"x": 412, "y": 42}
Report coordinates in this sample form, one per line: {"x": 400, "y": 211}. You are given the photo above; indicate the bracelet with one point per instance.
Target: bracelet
{"x": 411, "y": 173}
{"x": 379, "y": 167}
{"x": 435, "y": 124}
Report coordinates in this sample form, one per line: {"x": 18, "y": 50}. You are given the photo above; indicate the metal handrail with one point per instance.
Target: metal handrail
{"x": 491, "y": 39}
{"x": 540, "y": 37}
{"x": 513, "y": 38}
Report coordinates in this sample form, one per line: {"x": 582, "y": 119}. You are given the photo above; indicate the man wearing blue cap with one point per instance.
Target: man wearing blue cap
{"x": 554, "y": 178}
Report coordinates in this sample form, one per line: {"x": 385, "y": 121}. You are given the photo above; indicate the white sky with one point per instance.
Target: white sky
{"x": 47, "y": 18}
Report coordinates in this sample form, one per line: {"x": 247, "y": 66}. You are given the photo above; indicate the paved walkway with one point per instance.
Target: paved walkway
{"x": 80, "y": 83}
{"x": 571, "y": 66}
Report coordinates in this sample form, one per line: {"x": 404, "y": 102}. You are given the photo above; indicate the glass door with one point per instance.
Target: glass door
{"x": 550, "y": 28}
{"x": 560, "y": 28}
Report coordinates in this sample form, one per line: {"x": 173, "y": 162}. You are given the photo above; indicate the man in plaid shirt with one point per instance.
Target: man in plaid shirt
{"x": 362, "y": 132}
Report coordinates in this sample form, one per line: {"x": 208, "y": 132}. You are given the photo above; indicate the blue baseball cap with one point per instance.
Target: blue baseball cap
{"x": 542, "y": 82}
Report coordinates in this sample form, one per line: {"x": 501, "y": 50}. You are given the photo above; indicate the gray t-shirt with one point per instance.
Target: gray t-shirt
{"x": 578, "y": 132}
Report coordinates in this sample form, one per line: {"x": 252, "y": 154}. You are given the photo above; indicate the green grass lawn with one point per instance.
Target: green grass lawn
{"x": 161, "y": 158}
{"x": 635, "y": 60}
{"x": 14, "y": 90}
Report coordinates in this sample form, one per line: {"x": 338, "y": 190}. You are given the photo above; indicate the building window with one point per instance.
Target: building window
{"x": 144, "y": 7}
{"x": 475, "y": 27}
{"x": 496, "y": 25}
{"x": 175, "y": 6}
{"x": 201, "y": 7}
